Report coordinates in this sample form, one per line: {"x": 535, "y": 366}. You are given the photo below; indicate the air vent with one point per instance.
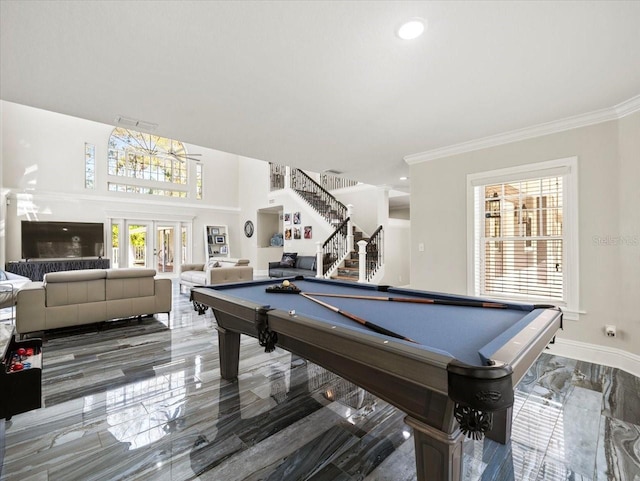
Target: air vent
{"x": 133, "y": 123}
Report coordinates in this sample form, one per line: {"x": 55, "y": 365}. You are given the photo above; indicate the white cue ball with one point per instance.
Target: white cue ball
{"x": 292, "y": 312}
{"x": 285, "y": 283}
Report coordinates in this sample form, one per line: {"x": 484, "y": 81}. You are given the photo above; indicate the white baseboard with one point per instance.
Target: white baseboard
{"x": 594, "y": 353}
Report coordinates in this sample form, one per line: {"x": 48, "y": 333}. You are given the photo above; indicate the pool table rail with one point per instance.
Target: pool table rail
{"x": 525, "y": 345}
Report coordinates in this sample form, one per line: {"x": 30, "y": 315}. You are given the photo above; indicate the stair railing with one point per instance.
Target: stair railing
{"x": 277, "y": 174}
{"x": 334, "y": 249}
{"x": 333, "y": 182}
{"x": 371, "y": 255}
{"x": 321, "y": 200}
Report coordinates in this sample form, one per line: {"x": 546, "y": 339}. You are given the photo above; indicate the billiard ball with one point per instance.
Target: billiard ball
{"x": 21, "y": 351}
{"x": 285, "y": 283}
{"x": 17, "y": 366}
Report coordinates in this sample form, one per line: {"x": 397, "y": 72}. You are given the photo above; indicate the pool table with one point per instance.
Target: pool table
{"x": 455, "y": 373}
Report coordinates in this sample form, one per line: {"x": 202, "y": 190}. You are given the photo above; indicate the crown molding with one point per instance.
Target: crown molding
{"x": 598, "y": 116}
{"x": 628, "y": 107}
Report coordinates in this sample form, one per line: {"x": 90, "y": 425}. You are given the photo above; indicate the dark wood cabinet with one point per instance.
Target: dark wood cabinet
{"x": 21, "y": 388}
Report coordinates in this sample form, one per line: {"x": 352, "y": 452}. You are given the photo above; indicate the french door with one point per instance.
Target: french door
{"x": 159, "y": 245}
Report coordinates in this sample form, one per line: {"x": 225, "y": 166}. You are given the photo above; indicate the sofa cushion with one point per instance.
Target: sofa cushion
{"x": 74, "y": 276}
{"x": 287, "y": 272}
{"x": 129, "y": 283}
{"x": 288, "y": 259}
{"x": 230, "y": 274}
{"x": 195, "y": 277}
{"x": 192, "y": 267}
{"x": 306, "y": 262}
{"x": 130, "y": 273}
{"x": 3, "y": 276}
{"x": 129, "y": 287}
{"x": 72, "y": 293}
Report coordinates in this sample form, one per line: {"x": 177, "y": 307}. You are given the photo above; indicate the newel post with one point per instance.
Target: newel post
{"x": 287, "y": 177}
{"x": 350, "y": 246}
{"x": 319, "y": 265}
{"x": 362, "y": 260}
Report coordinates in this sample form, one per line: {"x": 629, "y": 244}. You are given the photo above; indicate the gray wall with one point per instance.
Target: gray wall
{"x": 609, "y": 208}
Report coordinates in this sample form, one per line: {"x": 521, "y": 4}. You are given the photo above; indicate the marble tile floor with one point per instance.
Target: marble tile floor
{"x": 139, "y": 401}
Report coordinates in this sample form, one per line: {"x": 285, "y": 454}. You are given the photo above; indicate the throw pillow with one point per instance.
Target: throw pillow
{"x": 3, "y": 276}
{"x": 288, "y": 259}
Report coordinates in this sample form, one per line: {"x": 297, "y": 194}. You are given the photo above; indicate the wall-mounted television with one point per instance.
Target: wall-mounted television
{"x": 62, "y": 240}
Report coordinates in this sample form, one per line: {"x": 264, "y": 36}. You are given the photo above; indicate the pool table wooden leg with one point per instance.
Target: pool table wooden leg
{"x": 501, "y": 430}
{"x": 229, "y": 346}
{"x": 438, "y": 454}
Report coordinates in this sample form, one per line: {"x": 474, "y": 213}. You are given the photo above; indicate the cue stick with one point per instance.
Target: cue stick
{"x": 353, "y": 317}
{"x": 493, "y": 305}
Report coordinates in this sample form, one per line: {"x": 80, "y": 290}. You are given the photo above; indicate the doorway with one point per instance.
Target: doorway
{"x": 165, "y": 249}
{"x": 159, "y": 245}
{"x": 137, "y": 243}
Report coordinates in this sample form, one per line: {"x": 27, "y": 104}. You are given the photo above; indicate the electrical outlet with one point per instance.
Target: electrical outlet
{"x": 610, "y": 330}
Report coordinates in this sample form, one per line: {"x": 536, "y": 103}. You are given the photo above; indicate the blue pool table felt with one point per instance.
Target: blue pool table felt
{"x": 467, "y": 333}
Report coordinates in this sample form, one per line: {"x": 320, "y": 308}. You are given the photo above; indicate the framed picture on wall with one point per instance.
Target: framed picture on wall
{"x": 296, "y": 217}
{"x": 296, "y": 233}
{"x": 287, "y": 234}
{"x": 287, "y": 218}
{"x": 308, "y": 232}
{"x": 219, "y": 239}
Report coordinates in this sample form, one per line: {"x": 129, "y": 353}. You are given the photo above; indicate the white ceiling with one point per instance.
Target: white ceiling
{"x": 321, "y": 84}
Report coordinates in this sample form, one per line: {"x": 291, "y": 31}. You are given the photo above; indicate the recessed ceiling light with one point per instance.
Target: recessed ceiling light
{"x": 411, "y": 29}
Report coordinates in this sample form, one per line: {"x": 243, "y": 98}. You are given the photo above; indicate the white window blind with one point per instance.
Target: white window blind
{"x": 520, "y": 243}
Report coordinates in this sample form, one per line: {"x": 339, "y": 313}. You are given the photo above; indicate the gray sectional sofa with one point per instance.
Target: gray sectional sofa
{"x": 303, "y": 266}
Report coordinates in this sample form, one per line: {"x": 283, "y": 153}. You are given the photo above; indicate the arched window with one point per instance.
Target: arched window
{"x": 148, "y": 164}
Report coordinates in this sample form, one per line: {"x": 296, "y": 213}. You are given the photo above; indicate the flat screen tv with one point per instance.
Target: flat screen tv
{"x": 62, "y": 240}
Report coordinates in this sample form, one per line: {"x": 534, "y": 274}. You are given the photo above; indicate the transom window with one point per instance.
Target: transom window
{"x": 146, "y": 157}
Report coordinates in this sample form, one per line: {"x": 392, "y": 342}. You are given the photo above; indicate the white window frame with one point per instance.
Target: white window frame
{"x": 89, "y": 166}
{"x": 152, "y": 147}
{"x": 568, "y": 169}
{"x": 199, "y": 181}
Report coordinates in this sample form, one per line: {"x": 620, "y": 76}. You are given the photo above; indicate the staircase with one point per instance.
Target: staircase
{"x": 372, "y": 256}
{"x": 325, "y": 208}
{"x": 317, "y": 197}
{"x": 350, "y": 270}
{"x": 336, "y": 248}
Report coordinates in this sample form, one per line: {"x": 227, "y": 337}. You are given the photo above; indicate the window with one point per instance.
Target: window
{"x": 152, "y": 165}
{"x": 199, "y": 181}
{"x": 137, "y": 189}
{"x": 524, "y": 242}
{"x": 89, "y": 166}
